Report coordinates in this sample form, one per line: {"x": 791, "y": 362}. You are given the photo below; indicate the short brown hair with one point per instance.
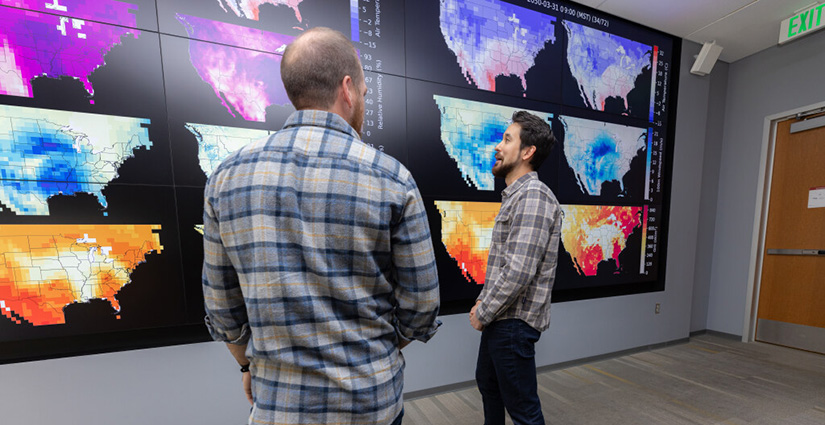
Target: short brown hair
{"x": 314, "y": 64}
{"x": 535, "y": 132}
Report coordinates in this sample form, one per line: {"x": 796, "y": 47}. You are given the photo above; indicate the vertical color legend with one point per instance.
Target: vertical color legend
{"x": 644, "y": 242}
{"x": 653, "y": 83}
{"x": 649, "y": 163}
{"x": 354, "y": 21}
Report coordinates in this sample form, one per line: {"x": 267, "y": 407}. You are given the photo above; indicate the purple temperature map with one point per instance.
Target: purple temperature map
{"x": 245, "y": 80}
{"x": 492, "y": 38}
{"x": 37, "y": 44}
{"x": 106, "y": 11}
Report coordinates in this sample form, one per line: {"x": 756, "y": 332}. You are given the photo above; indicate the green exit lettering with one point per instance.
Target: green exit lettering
{"x": 805, "y": 21}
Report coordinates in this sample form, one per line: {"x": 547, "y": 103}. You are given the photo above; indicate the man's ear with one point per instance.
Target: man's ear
{"x": 345, "y": 92}
{"x": 528, "y": 152}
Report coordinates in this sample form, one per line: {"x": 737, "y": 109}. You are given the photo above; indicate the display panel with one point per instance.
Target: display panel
{"x": 605, "y": 86}
{"x": 453, "y": 133}
{"x": 78, "y": 13}
{"x": 92, "y": 278}
{"x": 114, "y": 113}
{"x": 376, "y": 28}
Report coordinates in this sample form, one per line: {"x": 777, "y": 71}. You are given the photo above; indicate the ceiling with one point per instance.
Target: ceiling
{"x": 741, "y": 27}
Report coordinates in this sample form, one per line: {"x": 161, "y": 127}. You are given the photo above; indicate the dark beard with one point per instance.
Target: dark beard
{"x": 503, "y": 170}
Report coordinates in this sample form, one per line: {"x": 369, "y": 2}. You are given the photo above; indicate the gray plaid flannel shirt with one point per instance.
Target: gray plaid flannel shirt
{"x": 317, "y": 253}
{"x": 521, "y": 266}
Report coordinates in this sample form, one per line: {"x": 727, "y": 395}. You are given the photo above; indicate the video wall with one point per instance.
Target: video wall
{"x": 114, "y": 113}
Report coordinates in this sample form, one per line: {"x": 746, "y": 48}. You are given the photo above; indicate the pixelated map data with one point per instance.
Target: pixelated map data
{"x": 603, "y": 64}
{"x": 44, "y": 268}
{"x": 246, "y": 81}
{"x": 599, "y": 152}
{"x": 215, "y": 143}
{"x": 34, "y": 44}
{"x": 46, "y": 152}
{"x": 116, "y": 12}
{"x": 491, "y": 38}
{"x": 250, "y": 9}
{"x": 466, "y": 232}
{"x": 590, "y": 233}
{"x": 470, "y": 132}
{"x": 594, "y": 233}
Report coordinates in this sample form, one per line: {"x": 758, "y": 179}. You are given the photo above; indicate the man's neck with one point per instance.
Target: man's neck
{"x": 517, "y": 173}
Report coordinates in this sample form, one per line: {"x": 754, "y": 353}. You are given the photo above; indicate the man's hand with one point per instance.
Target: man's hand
{"x": 402, "y": 343}
{"x": 474, "y": 320}
{"x": 247, "y": 386}
{"x": 238, "y": 351}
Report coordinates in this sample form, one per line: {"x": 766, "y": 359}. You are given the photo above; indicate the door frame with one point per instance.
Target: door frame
{"x": 760, "y": 220}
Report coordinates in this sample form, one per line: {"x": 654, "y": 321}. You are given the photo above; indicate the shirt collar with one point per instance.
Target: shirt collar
{"x": 313, "y": 117}
{"x": 513, "y": 188}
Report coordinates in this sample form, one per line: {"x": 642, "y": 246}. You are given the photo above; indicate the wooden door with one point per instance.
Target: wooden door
{"x": 791, "y": 308}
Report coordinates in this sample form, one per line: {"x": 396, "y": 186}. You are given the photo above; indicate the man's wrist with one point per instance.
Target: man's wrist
{"x": 245, "y": 368}
{"x": 479, "y": 313}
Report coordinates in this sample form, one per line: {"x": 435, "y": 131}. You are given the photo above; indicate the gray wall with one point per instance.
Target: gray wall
{"x": 772, "y": 81}
{"x": 718, "y": 82}
{"x": 199, "y": 383}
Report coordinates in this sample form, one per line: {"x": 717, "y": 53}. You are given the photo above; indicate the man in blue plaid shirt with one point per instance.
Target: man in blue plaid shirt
{"x": 318, "y": 262}
{"x": 514, "y": 306}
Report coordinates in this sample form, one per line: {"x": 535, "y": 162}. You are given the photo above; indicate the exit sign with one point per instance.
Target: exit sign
{"x": 803, "y": 23}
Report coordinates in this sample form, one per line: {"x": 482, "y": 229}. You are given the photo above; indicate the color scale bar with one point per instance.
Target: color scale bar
{"x": 653, "y": 86}
{"x": 644, "y": 242}
{"x": 649, "y": 161}
{"x": 354, "y": 21}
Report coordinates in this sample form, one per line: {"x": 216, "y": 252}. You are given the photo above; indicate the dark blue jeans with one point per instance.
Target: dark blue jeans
{"x": 506, "y": 373}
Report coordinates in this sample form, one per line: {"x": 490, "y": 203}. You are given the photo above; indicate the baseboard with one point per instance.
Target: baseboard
{"x": 716, "y": 333}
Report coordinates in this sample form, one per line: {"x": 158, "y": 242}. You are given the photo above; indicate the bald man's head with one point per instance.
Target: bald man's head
{"x": 314, "y": 65}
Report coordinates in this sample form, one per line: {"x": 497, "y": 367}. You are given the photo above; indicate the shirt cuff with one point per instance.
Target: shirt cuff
{"x": 423, "y": 337}
{"x": 217, "y": 335}
{"x": 426, "y": 337}
{"x": 481, "y": 315}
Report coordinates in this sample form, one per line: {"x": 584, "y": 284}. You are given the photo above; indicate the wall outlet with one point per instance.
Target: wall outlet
{"x": 658, "y": 308}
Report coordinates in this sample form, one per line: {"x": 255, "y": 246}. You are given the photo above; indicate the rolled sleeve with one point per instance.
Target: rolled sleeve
{"x": 226, "y": 316}
{"x": 416, "y": 277}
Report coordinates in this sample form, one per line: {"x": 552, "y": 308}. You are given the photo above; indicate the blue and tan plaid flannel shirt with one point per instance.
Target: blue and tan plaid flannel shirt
{"x": 317, "y": 253}
{"x": 521, "y": 266}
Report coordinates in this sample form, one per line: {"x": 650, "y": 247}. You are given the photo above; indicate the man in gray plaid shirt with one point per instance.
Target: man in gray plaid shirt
{"x": 318, "y": 262}
{"x": 514, "y": 306}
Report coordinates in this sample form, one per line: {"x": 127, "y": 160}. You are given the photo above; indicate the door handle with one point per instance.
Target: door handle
{"x": 813, "y": 252}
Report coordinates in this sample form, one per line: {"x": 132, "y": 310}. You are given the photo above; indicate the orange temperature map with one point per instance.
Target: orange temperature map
{"x": 44, "y": 268}
{"x": 590, "y": 233}
{"x": 467, "y": 232}
{"x": 593, "y": 233}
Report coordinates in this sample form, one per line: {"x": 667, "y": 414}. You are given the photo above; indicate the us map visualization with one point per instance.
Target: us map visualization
{"x": 44, "y": 153}
{"x": 591, "y": 234}
{"x": 604, "y": 65}
{"x": 467, "y": 232}
{"x": 215, "y": 143}
{"x": 48, "y": 267}
{"x": 245, "y": 80}
{"x": 595, "y": 233}
{"x": 492, "y": 38}
{"x": 610, "y": 149}
{"x": 73, "y": 140}
{"x": 250, "y": 9}
{"x": 470, "y": 132}
{"x": 599, "y": 152}
{"x": 38, "y": 44}
{"x": 114, "y": 113}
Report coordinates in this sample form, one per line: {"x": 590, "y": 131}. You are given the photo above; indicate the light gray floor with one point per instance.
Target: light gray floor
{"x": 710, "y": 380}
